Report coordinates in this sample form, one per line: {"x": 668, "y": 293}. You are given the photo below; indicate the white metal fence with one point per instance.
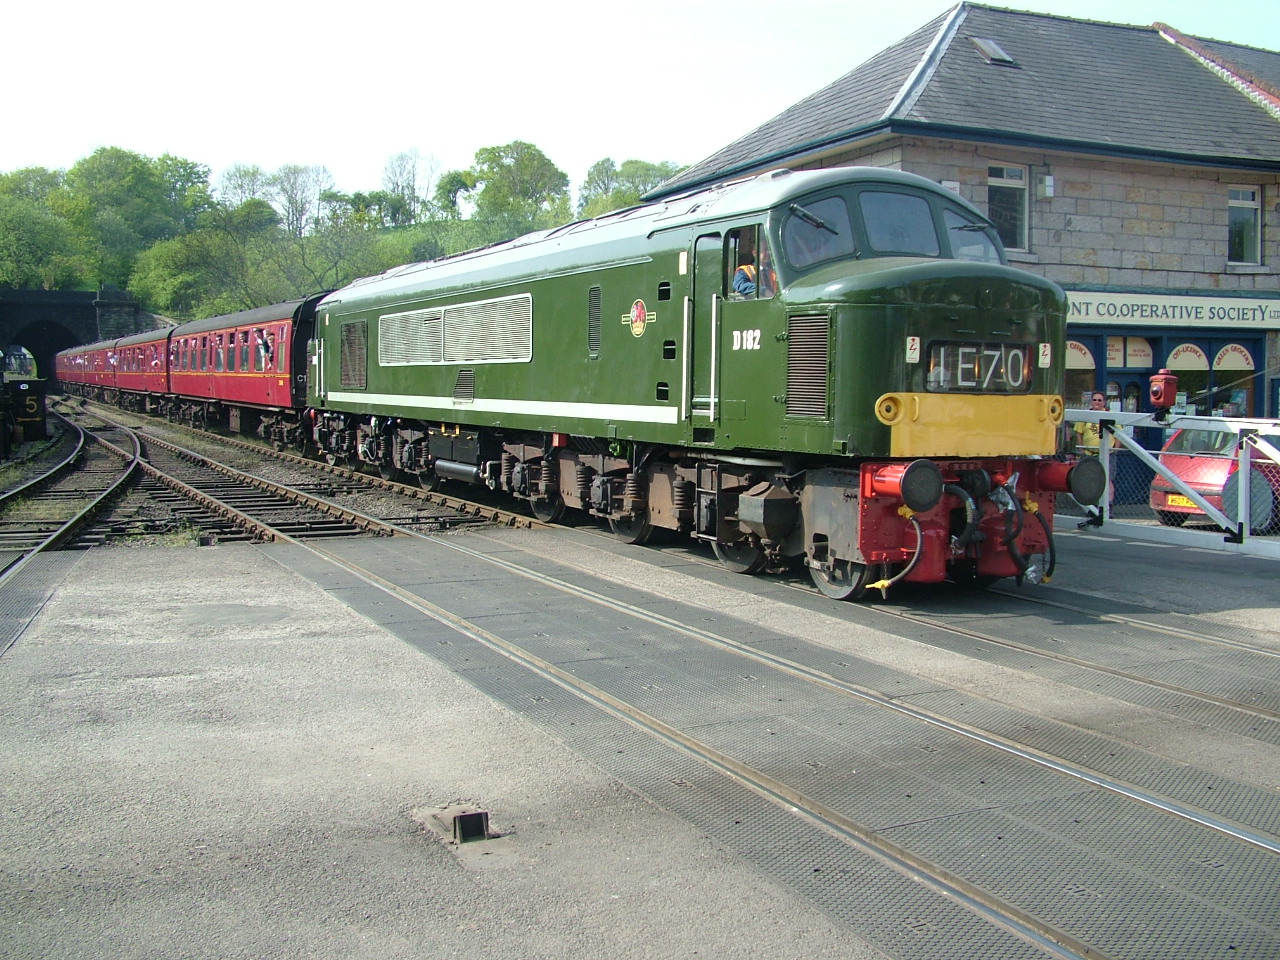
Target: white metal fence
{"x": 1204, "y": 481}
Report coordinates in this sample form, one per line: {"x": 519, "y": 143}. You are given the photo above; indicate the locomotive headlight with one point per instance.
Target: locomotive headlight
{"x": 918, "y": 484}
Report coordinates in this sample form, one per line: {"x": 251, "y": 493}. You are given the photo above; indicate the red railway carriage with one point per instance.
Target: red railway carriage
{"x": 243, "y": 370}
{"x": 141, "y": 368}
{"x": 256, "y": 358}
{"x": 89, "y": 368}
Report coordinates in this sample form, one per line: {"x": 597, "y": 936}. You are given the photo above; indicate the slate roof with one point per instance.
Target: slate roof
{"x": 1259, "y": 69}
{"x": 1075, "y": 85}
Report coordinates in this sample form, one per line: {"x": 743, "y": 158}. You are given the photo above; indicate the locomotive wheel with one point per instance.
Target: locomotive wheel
{"x": 389, "y": 471}
{"x": 349, "y": 462}
{"x": 843, "y": 581}
{"x": 741, "y": 556}
{"x": 429, "y": 480}
{"x": 547, "y": 509}
{"x": 631, "y": 529}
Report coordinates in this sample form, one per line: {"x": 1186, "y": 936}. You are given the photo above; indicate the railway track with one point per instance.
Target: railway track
{"x": 395, "y": 503}
{"x": 870, "y": 774}
{"x": 983, "y": 829}
{"x": 46, "y": 510}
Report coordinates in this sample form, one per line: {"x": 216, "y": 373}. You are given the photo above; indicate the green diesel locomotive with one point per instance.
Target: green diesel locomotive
{"x": 832, "y": 365}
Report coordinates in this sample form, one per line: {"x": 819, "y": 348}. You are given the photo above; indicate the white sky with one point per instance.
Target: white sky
{"x": 348, "y": 85}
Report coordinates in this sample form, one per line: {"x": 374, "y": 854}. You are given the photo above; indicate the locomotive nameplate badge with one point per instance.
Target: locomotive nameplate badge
{"x": 638, "y": 318}
{"x": 913, "y": 349}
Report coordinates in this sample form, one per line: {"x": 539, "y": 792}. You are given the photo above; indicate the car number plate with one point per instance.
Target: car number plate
{"x": 1178, "y": 500}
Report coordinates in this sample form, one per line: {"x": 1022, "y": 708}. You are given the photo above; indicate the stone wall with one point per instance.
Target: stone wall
{"x": 1110, "y": 222}
{"x": 118, "y": 314}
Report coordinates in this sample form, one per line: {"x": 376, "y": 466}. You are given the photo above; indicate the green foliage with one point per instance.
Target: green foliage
{"x": 37, "y": 248}
{"x": 516, "y": 190}
{"x": 262, "y": 237}
{"x": 31, "y": 183}
{"x": 607, "y": 188}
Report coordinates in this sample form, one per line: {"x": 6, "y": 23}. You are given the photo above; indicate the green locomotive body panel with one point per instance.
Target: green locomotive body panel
{"x": 627, "y": 327}
{"x": 837, "y": 365}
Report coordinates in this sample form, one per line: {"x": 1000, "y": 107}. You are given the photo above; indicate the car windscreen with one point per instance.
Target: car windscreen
{"x": 1202, "y": 441}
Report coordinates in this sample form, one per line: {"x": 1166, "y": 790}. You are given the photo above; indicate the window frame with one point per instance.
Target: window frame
{"x": 1254, "y": 205}
{"x": 1006, "y": 183}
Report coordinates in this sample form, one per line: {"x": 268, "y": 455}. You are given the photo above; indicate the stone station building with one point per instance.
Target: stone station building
{"x": 1134, "y": 165}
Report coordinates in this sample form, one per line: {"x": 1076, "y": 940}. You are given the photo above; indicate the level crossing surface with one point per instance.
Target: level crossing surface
{"x": 244, "y": 748}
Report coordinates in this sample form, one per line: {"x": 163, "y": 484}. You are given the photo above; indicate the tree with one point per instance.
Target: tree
{"x": 125, "y": 202}
{"x": 31, "y": 183}
{"x": 607, "y": 187}
{"x": 38, "y": 249}
{"x": 242, "y": 182}
{"x": 400, "y": 184}
{"x": 449, "y": 188}
{"x": 229, "y": 262}
{"x": 295, "y": 191}
{"x": 599, "y": 182}
{"x": 188, "y": 190}
{"x": 519, "y": 189}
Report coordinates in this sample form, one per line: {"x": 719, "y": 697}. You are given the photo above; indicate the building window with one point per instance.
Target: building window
{"x": 1244, "y": 208}
{"x": 1007, "y": 204}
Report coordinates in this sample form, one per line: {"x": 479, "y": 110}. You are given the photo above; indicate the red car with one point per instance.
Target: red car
{"x": 1205, "y": 460}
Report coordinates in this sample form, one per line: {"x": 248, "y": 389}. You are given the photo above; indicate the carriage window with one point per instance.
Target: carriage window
{"x": 244, "y": 351}
{"x": 277, "y": 343}
{"x": 204, "y": 353}
{"x": 899, "y": 223}
{"x": 261, "y": 352}
{"x": 748, "y": 266}
{"x": 217, "y": 354}
{"x": 970, "y": 239}
{"x": 816, "y": 231}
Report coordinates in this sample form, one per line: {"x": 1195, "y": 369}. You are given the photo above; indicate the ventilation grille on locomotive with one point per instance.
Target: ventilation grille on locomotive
{"x": 593, "y": 322}
{"x": 487, "y": 331}
{"x": 353, "y": 355}
{"x": 807, "y": 367}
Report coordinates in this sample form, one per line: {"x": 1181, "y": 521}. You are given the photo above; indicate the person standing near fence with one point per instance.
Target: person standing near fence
{"x": 1088, "y": 438}
{"x": 1089, "y": 435}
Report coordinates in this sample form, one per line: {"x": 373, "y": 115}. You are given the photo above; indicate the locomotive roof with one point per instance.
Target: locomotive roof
{"x": 583, "y": 242}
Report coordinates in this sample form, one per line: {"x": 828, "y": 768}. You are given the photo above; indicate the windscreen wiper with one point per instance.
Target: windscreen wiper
{"x": 813, "y": 219}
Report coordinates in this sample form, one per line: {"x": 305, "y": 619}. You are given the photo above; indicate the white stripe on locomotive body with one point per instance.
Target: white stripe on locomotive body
{"x": 431, "y": 408}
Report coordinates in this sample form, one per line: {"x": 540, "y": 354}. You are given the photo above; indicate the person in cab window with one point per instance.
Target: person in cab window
{"x": 744, "y": 278}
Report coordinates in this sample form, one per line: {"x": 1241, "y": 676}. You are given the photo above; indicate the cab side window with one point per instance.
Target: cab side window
{"x": 749, "y": 273}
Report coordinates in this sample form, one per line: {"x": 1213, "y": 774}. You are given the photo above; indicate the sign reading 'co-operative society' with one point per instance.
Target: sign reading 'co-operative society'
{"x": 1173, "y": 310}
